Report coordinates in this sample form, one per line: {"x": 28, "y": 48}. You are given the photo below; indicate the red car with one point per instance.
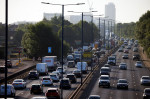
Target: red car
{"x": 126, "y": 51}
{"x": 53, "y": 93}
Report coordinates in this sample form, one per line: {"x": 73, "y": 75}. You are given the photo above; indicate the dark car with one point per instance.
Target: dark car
{"x": 136, "y": 57}
{"x": 125, "y": 56}
{"x": 9, "y": 64}
{"x": 36, "y": 88}
{"x": 65, "y": 83}
{"x": 72, "y": 78}
{"x": 146, "y": 94}
{"x": 77, "y": 73}
{"x": 2, "y": 69}
{"x": 33, "y": 75}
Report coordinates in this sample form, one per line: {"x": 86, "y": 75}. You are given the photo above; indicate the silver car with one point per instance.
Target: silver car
{"x": 122, "y": 83}
{"x": 138, "y": 64}
{"x": 145, "y": 80}
{"x": 47, "y": 81}
{"x": 104, "y": 80}
{"x": 123, "y": 66}
{"x": 54, "y": 77}
{"x": 19, "y": 83}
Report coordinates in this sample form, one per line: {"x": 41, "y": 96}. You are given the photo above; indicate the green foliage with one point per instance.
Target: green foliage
{"x": 143, "y": 31}
{"x": 38, "y": 38}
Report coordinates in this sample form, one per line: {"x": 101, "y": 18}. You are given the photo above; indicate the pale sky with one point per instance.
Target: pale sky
{"x": 32, "y": 10}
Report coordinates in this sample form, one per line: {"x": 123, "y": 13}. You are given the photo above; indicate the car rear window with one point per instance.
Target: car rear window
{"x": 32, "y": 72}
{"x": 65, "y": 81}
{"x": 35, "y": 86}
{"x": 104, "y": 78}
{"x": 18, "y": 81}
{"x": 122, "y": 81}
{"x": 51, "y": 90}
{"x": 145, "y": 77}
{"x": 46, "y": 78}
{"x": 147, "y": 91}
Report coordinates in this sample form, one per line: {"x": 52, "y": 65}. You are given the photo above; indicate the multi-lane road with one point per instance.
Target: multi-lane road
{"x": 132, "y": 74}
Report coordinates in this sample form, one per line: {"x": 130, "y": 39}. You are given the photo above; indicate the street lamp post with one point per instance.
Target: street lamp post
{"x": 6, "y": 47}
{"x": 62, "y": 34}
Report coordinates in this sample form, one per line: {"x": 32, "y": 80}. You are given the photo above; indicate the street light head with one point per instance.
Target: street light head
{"x": 80, "y": 3}
{"x": 45, "y": 2}
{"x": 70, "y": 11}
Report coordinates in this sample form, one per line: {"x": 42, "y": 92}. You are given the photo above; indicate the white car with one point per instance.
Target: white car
{"x": 59, "y": 69}
{"x": 10, "y": 90}
{"x": 57, "y": 73}
{"x": 138, "y": 64}
{"x": 145, "y": 80}
{"x": 54, "y": 77}
{"x": 19, "y": 83}
{"x": 46, "y": 81}
{"x": 123, "y": 66}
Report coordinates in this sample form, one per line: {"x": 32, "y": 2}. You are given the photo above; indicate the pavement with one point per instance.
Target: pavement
{"x": 144, "y": 57}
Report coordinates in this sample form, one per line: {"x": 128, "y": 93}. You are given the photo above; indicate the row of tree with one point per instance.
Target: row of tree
{"x": 38, "y": 37}
{"x": 143, "y": 31}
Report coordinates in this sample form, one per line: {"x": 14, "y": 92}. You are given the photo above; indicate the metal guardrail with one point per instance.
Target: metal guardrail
{"x": 9, "y": 78}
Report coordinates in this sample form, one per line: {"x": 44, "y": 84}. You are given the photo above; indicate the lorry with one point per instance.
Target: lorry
{"x": 42, "y": 68}
{"x": 51, "y": 62}
{"x": 84, "y": 66}
{"x": 87, "y": 57}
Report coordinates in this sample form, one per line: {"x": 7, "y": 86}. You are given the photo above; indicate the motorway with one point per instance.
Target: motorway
{"x": 25, "y": 93}
{"x": 132, "y": 74}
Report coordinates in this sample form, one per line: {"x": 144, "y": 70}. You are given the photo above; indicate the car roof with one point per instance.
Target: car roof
{"x": 145, "y": 76}
{"x": 70, "y": 74}
{"x": 52, "y": 88}
{"x": 104, "y": 76}
{"x": 18, "y": 79}
{"x": 122, "y": 79}
{"x": 95, "y": 96}
{"x": 65, "y": 79}
{"x": 104, "y": 67}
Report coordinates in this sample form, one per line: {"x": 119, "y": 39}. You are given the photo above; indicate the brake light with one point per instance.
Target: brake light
{"x": 20, "y": 83}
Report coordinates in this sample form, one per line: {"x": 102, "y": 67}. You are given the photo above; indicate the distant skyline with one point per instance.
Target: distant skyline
{"x": 32, "y": 10}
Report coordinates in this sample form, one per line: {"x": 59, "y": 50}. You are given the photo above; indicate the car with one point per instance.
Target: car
{"x": 106, "y": 65}
{"x": 125, "y": 56}
{"x": 65, "y": 83}
{"x": 138, "y": 64}
{"x": 123, "y": 66}
{"x": 145, "y": 80}
{"x": 52, "y": 93}
{"x": 122, "y": 83}
{"x": 36, "y": 88}
{"x": 59, "y": 69}
{"x": 94, "y": 97}
{"x": 72, "y": 78}
{"x": 46, "y": 80}
{"x": 9, "y": 63}
{"x": 57, "y": 73}
{"x": 70, "y": 58}
{"x": 126, "y": 51}
{"x": 19, "y": 83}
{"x": 120, "y": 50}
{"x": 77, "y": 73}
{"x": 146, "y": 94}
{"x": 135, "y": 49}
{"x": 105, "y": 71}
{"x": 71, "y": 64}
{"x": 11, "y": 92}
{"x": 136, "y": 57}
{"x": 54, "y": 77}
{"x": 2, "y": 69}
{"x": 33, "y": 75}
{"x": 128, "y": 47}
{"x": 104, "y": 80}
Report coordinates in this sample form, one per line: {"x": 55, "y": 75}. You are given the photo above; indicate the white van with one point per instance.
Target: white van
{"x": 42, "y": 68}
{"x": 84, "y": 66}
{"x": 10, "y": 90}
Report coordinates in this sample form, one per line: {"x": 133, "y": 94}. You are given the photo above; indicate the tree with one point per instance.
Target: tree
{"x": 38, "y": 38}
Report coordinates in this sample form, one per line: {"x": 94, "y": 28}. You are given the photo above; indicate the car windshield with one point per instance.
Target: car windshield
{"x": 122, "y": 81}
{"x": 147, "y": 91}
{"x": 139, "y": 62}
{"x": 145, "y": 77}
{"x": 53, "y": 75}
{"x": 104, "y": 69}
{"x": 104, "y": 78}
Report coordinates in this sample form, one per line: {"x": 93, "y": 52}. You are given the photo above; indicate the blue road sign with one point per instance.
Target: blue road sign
{"x": 49, "y": 50}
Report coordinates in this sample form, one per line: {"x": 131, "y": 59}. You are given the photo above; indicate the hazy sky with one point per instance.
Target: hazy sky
{"x": 32, "y": 10}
